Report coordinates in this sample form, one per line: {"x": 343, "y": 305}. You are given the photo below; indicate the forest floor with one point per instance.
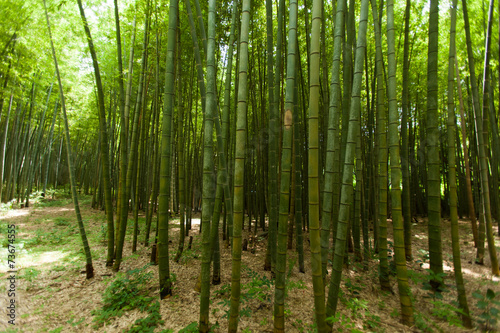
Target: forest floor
{"x": 52, "y": 294}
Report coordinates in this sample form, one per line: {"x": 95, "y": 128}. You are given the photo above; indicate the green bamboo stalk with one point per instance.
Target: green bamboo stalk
{"x": 239, "y": 168}
{"x": 405, "y": 166}
{"x": 50, "y": 142}
{"x": 102, "y": 124}
{"x": 433, "y": 170}
{"x": 89, "y": 268}
{"x": 330, "y": 191}
{"x": 271, "y": 136}
{"x": 313, "y": 168}
{"x": 382, "y": 157}
{"x": 346, "y": 192}
{"x": 298, "y": 139}
{"x": 482, "y": 139}
{"x": 164, "y": 195}
{"x": 3, "y": 142}
{"x": 208, "y": 168}
{"x": 397, "y": 215}
{"x": 451, "y": 125}
{"x": 286, "y": 169}
{"x": 274, "y": 134}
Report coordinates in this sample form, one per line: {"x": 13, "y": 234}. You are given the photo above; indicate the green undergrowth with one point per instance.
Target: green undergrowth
{"x": 127, "y": 292}
{"x": 258, "y": 289}
{"x": 489, "y": 309}
{"x": 65, "y": 232}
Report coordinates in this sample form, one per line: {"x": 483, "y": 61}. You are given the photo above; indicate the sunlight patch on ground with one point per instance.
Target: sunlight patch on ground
{"x": 15, "y": 213}
{"x": 420, "y": 236}
{"x": 445, "y": 267}
{"x": 482, "y": 276}
{"x": 467, "y": 271}
{"x": 44, "y": 258}
{"x": 26, "y": 259}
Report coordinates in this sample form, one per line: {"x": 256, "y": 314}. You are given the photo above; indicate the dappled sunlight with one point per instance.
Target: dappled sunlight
{"x": 420, "y": 236}
{"x": 26, "y": 259}
{"x": 66, "y": 209}
{"x": 43, "y": 258}
{"x": 479, "y": 275}
{"x": 11, "y": 213}
{"x": 471, "y": 273}
{"x": 445, "y": 267}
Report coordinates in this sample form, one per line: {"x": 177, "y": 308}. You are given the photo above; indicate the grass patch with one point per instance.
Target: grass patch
{"x": 29, "y": 274}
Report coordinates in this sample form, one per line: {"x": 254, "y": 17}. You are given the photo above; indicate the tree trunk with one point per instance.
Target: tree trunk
{"x": 102, "y": 125}
{"x": 163, "y": 260}
{"x": 86, "y": 248}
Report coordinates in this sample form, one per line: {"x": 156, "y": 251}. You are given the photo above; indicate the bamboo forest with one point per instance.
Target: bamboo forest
{"x": 249, "y": 165}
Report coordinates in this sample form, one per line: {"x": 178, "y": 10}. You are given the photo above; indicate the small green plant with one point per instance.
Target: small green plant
{"x": 357, "y": 306}
{"x": 344, "y": 322}
{"x": 189, "y": 254}
{"x": 447, "y": 312}
{"x": 61, "y": 222}
{"x": 421, "y": 322}
{"x": 104, "y": 233}
{"x": 127, "y": 292}
{"x": 30, "y": 274}
{"x": 423, "y": 256}
{"x": 299, "y": 325}
{"x": 191, "y": 328}
{"x": 352, "y": 288}
{"x": 290, "y": 284}
{"x": 435, "y": 284}
{"x": 371, "y": 321}
{"x": 395, "y": 313}
{"x": 259, "y": 289}
{"x": 488, "y": 304}
{"x": 149, "y": 323}
{"x": 59, "y": 268}
{"x": 75, "y": 323}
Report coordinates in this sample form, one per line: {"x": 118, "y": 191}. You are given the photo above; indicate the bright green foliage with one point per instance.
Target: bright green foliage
{"x": 447, "y": 313}
{"x": 259, "y": 289}
{"x": 130, "y": 291}
{"x": 435, "y": 283}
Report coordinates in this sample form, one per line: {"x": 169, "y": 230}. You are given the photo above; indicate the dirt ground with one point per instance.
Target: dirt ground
{"x": 52, "y": 294}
